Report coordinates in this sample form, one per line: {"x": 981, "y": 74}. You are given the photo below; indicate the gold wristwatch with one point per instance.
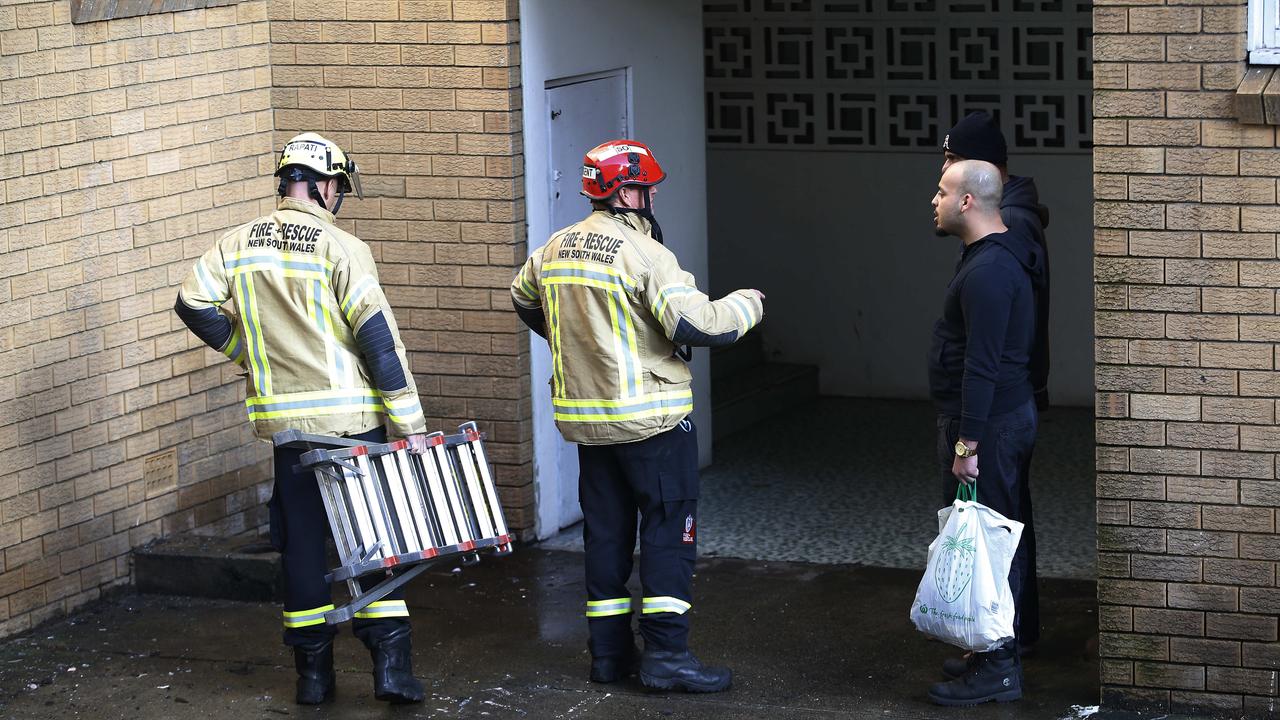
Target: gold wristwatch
{"x": 965, "y": 451}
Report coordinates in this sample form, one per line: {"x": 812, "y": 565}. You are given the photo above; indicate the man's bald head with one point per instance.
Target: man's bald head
{"x": 980, "y": 179}
{"x": 968, "y": 198}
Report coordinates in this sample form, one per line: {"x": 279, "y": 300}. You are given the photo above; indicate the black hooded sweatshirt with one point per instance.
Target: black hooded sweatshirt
{"x": 1022, "y": 213}
{"x": 981, "y": 360}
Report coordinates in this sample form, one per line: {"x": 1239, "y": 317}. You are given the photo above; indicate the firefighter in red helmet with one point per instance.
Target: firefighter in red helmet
{"x": 616, "y": 310}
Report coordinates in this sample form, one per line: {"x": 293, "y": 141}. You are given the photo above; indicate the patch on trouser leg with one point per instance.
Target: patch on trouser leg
{"x": 678, "y": 523}
{"x": 690, "y": 530}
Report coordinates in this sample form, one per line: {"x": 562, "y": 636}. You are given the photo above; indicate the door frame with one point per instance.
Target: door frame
{"x": 548, "y": 478}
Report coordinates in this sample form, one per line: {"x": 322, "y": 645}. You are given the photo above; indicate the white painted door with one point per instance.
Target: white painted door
{"x": 582, "y": 112}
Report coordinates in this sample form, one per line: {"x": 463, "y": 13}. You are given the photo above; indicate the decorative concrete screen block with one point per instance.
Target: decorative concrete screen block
{"x": 85, "y": 11}
{"x": 860, "y": 75}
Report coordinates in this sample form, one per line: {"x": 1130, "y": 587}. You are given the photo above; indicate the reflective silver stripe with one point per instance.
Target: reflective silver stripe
{"x": 665, "y": 604}
{"x": 384, "y": 608}
{"x": 305, "y": 618}
{"x": 606, "y": 608}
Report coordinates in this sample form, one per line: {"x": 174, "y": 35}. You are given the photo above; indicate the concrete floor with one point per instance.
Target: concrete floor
{"x": 853, "y": 480}
{"x": 506, "y": 639}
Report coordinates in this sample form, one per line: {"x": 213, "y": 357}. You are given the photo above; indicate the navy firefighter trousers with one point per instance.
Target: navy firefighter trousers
{"x": 299, "y": 527}
{"x": 658, "y": 478}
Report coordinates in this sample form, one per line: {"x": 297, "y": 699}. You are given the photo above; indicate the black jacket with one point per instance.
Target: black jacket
{"x": 1022, "y": 212}
{"x": 980, "y": 360}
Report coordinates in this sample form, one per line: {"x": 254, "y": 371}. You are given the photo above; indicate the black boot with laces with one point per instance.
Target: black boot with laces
{"x": 996, "y": 675}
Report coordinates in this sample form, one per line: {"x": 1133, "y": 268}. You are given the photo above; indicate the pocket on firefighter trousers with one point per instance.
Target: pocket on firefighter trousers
{"x": 678, "y": 524}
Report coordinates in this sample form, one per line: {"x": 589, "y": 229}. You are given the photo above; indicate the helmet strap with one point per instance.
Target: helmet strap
{"x": 341, "y": 195}
{"x": 314, "y": 192}
{"x": 646, "y": 212}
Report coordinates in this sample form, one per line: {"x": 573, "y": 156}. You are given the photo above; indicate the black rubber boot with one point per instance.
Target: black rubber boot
{"x": 957, "y": 666}
{"x": 392, "y": 654}
{"x": 316, "y": 681}
{"x": 682, "y": 671}
{"x": 996, "y": 676}
{"x": 614, "y": 668}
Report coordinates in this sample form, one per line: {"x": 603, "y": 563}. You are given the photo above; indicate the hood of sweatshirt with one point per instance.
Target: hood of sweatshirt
{"x": 1021, "y": 196}
{"x": 1029, "y": 253}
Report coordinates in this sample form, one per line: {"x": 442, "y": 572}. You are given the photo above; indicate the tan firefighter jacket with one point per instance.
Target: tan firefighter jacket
{"x": 616, "y": 305}
{"x": 301, "y": 287}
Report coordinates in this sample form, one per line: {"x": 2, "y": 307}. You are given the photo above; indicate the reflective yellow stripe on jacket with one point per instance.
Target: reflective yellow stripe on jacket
{"x": 291, "y": 264}
{"x": 618, "y": 286}
{"x": 235, "y": 346}
{"x": 554, "y": 339}
{"x": 320, "y": 402}
{"x": 406, "y": 410}
{"x": 649, "y": 405}
{"x": 259, "y": 367}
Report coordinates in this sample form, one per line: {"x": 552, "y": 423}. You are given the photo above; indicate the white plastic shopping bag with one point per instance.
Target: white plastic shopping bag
{"x": 964, "y": 597}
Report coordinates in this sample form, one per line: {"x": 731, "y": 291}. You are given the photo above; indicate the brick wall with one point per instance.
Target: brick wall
{"x": 425, "y": 95}
{"x": 1186, "y": 276}
{"x": 126, "y": 147}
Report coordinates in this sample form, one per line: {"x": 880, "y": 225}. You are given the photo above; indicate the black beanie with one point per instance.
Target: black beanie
{"x": 977, "y": 137}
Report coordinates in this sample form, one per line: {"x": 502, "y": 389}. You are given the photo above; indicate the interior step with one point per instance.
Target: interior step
{"x": 241, "y": 567}
{"x": 754, "y": 393}
{"x": 731, "y": 359}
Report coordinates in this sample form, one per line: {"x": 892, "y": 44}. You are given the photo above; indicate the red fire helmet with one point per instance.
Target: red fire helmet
{"x": 608, "y": 166}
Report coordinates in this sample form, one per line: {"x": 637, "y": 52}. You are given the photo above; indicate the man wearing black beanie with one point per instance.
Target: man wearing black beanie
{"x": 977, "y": 137}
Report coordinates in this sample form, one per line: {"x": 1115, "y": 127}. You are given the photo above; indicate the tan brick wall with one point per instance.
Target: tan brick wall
{"x": 125, "y": 147}
{"x": 1187, "y": 275}
{"x": 425, "y": 95}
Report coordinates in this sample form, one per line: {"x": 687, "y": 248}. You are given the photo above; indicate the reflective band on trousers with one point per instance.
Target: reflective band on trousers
{"x": 305, "y": 618}
{"x": 605, "y": 608}
{"x": 384, "y": 608}
{"x": 665, "y": 604}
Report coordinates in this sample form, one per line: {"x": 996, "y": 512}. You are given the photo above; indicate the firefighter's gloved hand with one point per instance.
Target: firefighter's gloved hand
{"x": 758, "y": 293}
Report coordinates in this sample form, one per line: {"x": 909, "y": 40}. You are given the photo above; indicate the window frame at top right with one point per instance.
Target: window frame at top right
{"x": 1264, "y": 32}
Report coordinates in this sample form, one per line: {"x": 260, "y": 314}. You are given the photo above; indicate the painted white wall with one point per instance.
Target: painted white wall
{"x": 660, "y": 42}
{"x": 843, "y": 245}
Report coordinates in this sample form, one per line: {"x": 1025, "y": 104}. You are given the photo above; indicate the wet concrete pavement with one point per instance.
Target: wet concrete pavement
{"x": 506, "y": 639}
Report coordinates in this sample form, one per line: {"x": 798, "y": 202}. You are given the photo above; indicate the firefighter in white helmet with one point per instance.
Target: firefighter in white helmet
{"x": 295, "y": 301}
{"x": 616, "y": 310}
